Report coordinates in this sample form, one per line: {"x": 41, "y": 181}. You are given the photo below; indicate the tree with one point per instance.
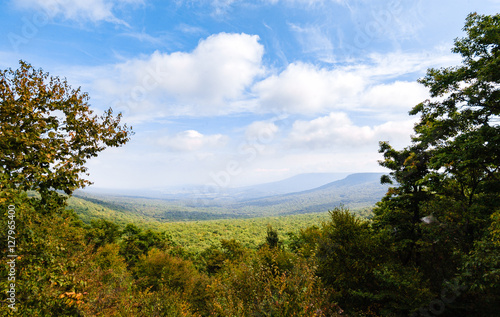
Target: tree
{"x": 348, "y": 254}
{"x": 48, "y": 132}
{"x": 102, "y": 232}
{"x": 215, "y": 258}
{"x": 448, "y": 179}
{"x": 460, "y": 126}
{"x": 305, "y": 242}
{"x": 136, "y": 242}
{"x": 401, "y": 207}
{"x": 455, "y": 152}
{"x": 233, "y": 250}
{"x": 480, "y": 271}
{"x": 272, "y": 239}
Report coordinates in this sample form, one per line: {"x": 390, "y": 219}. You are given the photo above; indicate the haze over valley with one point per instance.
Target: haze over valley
{"x": 285, "y": 158}
{"x": 296, "y": 195}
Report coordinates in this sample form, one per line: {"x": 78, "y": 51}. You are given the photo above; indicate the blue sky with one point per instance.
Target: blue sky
{"x": 229, "y": 93}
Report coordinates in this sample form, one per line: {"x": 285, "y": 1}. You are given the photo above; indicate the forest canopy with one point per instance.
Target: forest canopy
{"x": 432, "y": 247}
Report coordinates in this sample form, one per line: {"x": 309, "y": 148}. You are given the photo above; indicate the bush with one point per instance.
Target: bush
{"x": 271, "y": 283}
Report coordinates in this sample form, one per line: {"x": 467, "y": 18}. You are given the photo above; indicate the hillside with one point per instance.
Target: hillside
{"x": 356, "y": 191}
{"x": 297, "y": 183}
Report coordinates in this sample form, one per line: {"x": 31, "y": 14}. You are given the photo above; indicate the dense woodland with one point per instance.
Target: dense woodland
{"x": 432, "y": 247}
{"x": 357, "y": 191}
{"x": 196, "y": 235}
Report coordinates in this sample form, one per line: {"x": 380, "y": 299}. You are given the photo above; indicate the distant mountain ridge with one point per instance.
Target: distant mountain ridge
{"x": 292, "y": 184}
{"x": 297, "y": 183}
{"x": 356, "y": 191}
{"x": 354, "y": 179}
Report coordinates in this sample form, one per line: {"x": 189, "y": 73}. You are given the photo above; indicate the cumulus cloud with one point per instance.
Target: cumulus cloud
{"x": 305, "y": 88}
{"x": 209, "y": 80}
{"x": 191, "y": 140}
{"x": 87, "y": 10}
{"x": 375, "y": 84}
{"x": 397, "y": 95}
{"x": 262, "y": 131}
{"x": 224, "y": 74}
{"x": 337, "y": 130}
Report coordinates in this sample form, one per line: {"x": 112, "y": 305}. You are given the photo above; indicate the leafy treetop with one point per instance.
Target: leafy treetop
{"x": 461, "y": 127}
{"x": 458, "y": 136}
{"x": 48, "y": 132}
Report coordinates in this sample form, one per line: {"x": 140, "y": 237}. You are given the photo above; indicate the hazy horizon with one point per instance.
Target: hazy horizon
{"x": 235, "y": 93}
{"x": 200, "y": 186}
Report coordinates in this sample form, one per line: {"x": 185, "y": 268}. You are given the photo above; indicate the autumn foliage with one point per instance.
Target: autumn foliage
{"x": 431, "y": 248}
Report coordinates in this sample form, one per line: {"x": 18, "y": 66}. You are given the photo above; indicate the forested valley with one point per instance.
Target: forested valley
{"x": 429, "y": 247}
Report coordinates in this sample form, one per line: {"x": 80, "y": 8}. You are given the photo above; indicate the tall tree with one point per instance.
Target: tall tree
{"x": 455, "y": 153}
{"x": 447, "y": 182}
{"x": 272, "y": 239}
{"x": 348, "y": 253}
{"x": 460, "y": 126}
{"x": 48, "y": 132}
{"x": 401, "y": 207}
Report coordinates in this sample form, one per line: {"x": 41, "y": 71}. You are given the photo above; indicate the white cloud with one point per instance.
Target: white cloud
{"x": 397, "y": 95}
{"x": 221, "y": 6}
{"x": 337, "y": 131}
{"x": 315, "y": 40}
{"x": 336, "y": 128}
{"x": 147, "y": 38}
{"x": 220, "y": 76}
{"x": 397, "y": 133}
{"x": 209, "y": 80}
{"x": 87, "y": 10}
{"x": 307, "y": 2}
{"x": 304, "y": 88}
{"x": 374, "y": 84}
{"x": 261, "y": 131}
{"x": 192, "y": 140}
{"x": 392, "y": 65}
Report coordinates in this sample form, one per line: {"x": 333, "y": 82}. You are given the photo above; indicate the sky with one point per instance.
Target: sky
{"x": 228, "y": 93}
